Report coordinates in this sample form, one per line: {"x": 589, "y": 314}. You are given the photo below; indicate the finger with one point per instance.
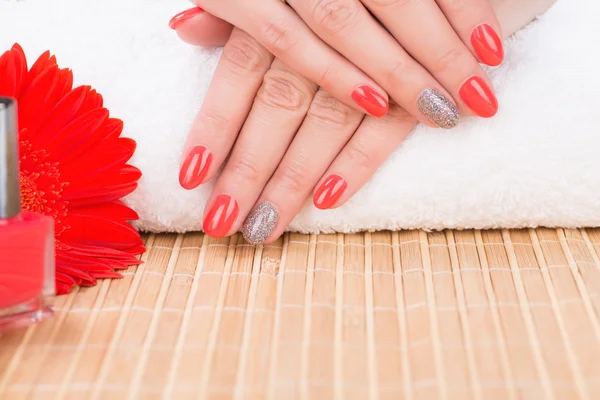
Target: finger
{"x": 281, "y": 105}
{"x": 439, "y": 49}
{"x": 349, "y": 28}
{"x": 476, "y": 24}
{"x": 370, "y": 146}
{"x": 278, "y": 28}
{"x": 327, "y": 127}
{"x": 199, "y": 28}
{"x": 227, "y": 103}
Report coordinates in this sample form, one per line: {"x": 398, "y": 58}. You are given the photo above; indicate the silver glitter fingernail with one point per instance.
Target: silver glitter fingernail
{"x": 260, "y": 223}
{"x": 438, "y": 109}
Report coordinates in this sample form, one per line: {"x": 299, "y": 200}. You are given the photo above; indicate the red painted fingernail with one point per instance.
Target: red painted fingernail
{"x": 221, "y": 216}
{"x": 194, "y": 168}
{"x": 330, "y": 192}
{"x": 479, "y": 97}
{"x": 371, "y": 101}
{"x": 184, "y": 15}
{"x": 488, "y": 45}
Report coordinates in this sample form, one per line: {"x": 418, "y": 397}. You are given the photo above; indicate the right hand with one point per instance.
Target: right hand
{"x": 423, "y": 53}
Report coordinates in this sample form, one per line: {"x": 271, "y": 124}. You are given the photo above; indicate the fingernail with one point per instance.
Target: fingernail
{"x": 184, "y": 15}
{"x": 487, "y": 45}
{"x": 221, "y": 216}
{"x": 260, "y": 223}
{"x": 479, "y": 97}
{"x": 330, "y": 192}
{"x": 370, "y": 101}
{"x": 438, "y": 108}
{"x": 194, "y": 168}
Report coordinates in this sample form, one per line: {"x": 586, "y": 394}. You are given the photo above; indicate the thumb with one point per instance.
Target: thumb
{"x": 199, "y": 28}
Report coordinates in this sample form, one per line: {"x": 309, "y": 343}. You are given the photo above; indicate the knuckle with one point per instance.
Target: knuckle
{"x": 397, "y": 74}
{"x": 360, "y": 154}
{"x": 212, "y": 121}
{"x": 335, "y": 15}
{"x": 294, "y": 177}
{"x": 329, "y": 75}
{"x": 329, "y": 111}
{"x": 456, "y": 6}
{"x": 244, "y": 54}
{"x": 283, "y": 90}
{"x": 401, "y": 116}
{"x": 447, "y": 60}
{"x": 277, "y": 37}
{"x": 246, "y": 168}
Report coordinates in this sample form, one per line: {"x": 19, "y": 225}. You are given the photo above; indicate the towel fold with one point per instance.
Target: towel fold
{"x": 535, "y": 164}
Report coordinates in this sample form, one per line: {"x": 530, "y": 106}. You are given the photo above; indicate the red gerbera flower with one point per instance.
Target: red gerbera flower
{"x": 73, "y": 168}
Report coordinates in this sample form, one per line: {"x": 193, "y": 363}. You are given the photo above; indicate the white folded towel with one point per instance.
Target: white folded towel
{"x": 535, "y": 164}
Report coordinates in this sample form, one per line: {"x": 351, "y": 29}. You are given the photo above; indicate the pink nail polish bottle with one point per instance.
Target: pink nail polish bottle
{"x": 26, "y": 239}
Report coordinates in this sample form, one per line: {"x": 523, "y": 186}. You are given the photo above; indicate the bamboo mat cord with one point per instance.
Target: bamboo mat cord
{"x": 506, "y": 371}
{"x": 558, "y": 315}
{"x": 498, "y": 314}
{"x": 433, "y": 316}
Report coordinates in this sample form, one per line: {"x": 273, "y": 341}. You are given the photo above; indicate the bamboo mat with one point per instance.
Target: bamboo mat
{"x": 415, "y": 315}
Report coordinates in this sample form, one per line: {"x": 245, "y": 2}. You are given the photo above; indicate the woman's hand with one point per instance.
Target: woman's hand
{"x": 293, "y": 138}
{"x": 424, "y": 53}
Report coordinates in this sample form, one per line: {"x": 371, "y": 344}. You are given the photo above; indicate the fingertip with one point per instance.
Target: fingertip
{"x": 183, "y": 16}
{"x": 260, "y": 225}
{"x": 203, "y": 30}
{"x": 195, "y": 167}
{"x": 329, "y": 192}
{"x": 371, "y": 101}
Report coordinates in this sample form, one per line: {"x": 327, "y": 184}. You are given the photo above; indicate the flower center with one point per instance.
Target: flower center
{"x": 32, "y": 199}
{"x": 41, "y": 186}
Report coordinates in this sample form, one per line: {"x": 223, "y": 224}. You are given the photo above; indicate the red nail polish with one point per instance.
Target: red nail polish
{"x": 26, "y": 239}
{"x": 371, "y": 101}
{"x": 479, "y": 97}
{"x": 184, "y": 15}
{"x": 194, "y": 168}
{"x": 330, "y": 192}
{"x": 488, "y": 45}
{"x": 221, "y": 216}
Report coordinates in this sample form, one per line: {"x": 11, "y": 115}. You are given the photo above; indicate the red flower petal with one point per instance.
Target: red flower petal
{"x": 66, "y": 82}
{"x": 115, "y": 193}
{"x": 62, "y": 287}
{"x": 100, "y": 231}
{"x": 92, "y": 268}
{"x": 21, "y": 64}
{"x": 109, "y": 156}
{"x": 92, "y": 101}
{"x": 8, "y": 74}
{"x": 137, "y": 250}
{"x": 113, "y": 209}
{"x": 64, "y": 112}
{"x": 75, "y": 137}
{"x": 69, "y": 280}
{"x": 81, "y": 250}
{"x": 33, "y": 104}
{"x": 114, "y": 127}
{"x": 77, "y": 274}
{"x": 103, "y": 184}
{"x": 37, "y": 68}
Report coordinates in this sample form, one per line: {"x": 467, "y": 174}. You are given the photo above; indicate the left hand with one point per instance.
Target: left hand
{"x": 278, "y": 137}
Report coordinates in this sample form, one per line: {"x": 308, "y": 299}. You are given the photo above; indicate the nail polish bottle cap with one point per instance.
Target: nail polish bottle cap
{"x": 10, "y": 191}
